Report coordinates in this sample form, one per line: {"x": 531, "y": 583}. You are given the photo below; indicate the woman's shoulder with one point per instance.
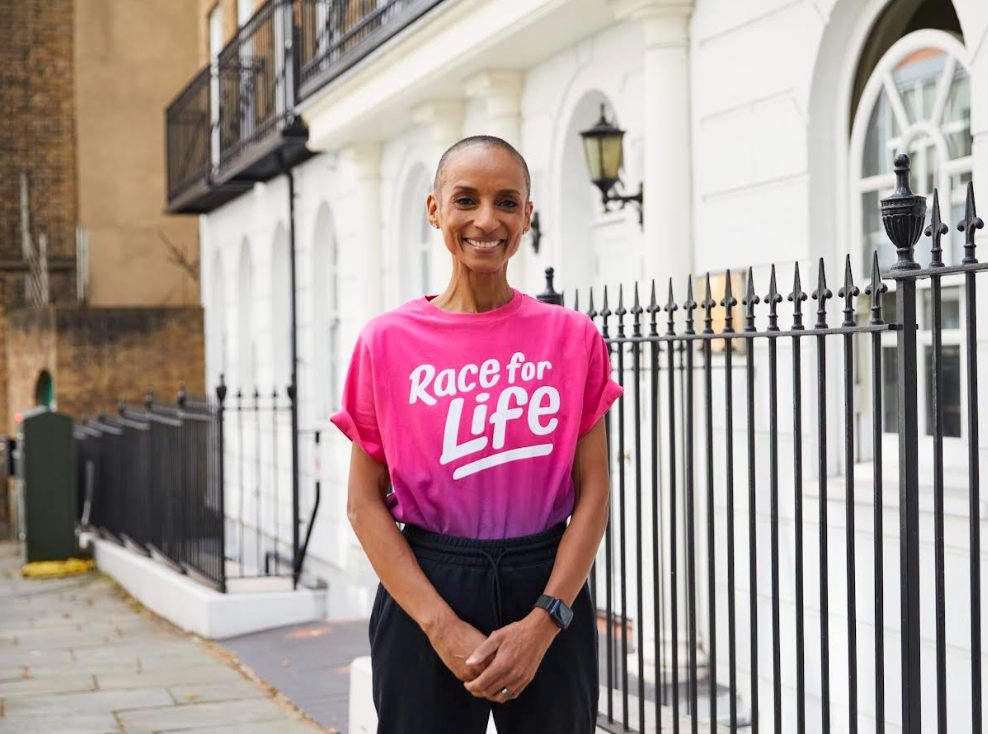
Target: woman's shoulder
{"x": 557, "y": 317}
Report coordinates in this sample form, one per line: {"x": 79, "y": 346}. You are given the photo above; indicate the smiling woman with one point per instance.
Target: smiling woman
{"x": 481, "y": 410}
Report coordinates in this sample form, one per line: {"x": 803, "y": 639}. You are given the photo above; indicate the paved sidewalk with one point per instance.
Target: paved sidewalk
{"x": 309, "y": 663}
{"x": 78, "y": 656}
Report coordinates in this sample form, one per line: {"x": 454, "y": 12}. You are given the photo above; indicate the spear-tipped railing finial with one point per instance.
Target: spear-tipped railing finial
{"x": 636, "y": 312}
{"x": 968, "y": 224}
{"x": 820, "y": 295}
{"x": 797, "y": 297}
{"x": 936, "y": 230}
{"x": 653, "y": 308}
{"x": 728, "y": 302}
{"x": 708, "y": 305}
{"x": 773, "y": 299}
{"x": 689, "y": 306}
{"x": 875, "y": 289}
{"x": 671, "y": 308}
{"x": 749, "y": 301}
{"x": 621, "y": 310}
{"x": 848, "y": 292}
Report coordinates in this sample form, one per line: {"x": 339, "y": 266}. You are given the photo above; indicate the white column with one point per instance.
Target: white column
{"x": 668, "y": 172}
{"x": 501, "y": 94}
{"x": 360, "y": 234}
{"x": 444, "y": 119}
{"x": 668, "y": 220}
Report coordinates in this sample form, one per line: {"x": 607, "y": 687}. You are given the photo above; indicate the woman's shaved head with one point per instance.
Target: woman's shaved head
{"x": 479, "y": 141}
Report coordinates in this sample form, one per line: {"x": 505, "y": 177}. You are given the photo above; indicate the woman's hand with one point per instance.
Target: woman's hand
{"x": 454, "y": 640}
{"x": 518, "y": 650}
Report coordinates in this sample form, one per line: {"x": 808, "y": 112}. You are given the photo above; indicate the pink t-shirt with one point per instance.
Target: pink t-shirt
{"x": 477, "y": 415}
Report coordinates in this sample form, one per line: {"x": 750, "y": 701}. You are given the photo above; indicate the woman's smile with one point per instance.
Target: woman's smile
{"x": 483, "y": 244}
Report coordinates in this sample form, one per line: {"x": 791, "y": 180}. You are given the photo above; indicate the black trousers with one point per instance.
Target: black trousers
{"x": 488, "y": 583}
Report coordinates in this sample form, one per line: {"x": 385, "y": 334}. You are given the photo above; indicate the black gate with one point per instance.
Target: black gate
{"x": 699, "y": 549}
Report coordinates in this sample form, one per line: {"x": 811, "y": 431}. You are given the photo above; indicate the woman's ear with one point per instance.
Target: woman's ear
{"x": 432, "y": 210}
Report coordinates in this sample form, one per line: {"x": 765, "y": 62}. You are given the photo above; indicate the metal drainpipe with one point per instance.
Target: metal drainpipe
{"x": 293, "y": 384}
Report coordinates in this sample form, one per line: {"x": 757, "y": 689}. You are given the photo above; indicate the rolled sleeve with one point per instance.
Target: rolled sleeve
{"x": 600, "y": 390}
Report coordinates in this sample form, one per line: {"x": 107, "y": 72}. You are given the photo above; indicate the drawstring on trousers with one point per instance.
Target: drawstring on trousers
{"x": 496, "y": 583}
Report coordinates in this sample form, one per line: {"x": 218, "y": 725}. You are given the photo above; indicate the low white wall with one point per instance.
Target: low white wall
{"x": 199, "y": 609}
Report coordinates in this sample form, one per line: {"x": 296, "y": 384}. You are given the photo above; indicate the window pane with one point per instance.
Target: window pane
{"x": 957, "y": 115}
{"x": 951, "y": 391}
{"x": 879, "y": 152}
{"x": 873, "y": 235}
{"x": 890, "y": 411}
{"x": 912, "y": 75}
{"x": 950, "y": 309}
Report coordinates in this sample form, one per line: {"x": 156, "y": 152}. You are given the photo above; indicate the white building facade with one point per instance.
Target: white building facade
{"x": 763, "y": 132}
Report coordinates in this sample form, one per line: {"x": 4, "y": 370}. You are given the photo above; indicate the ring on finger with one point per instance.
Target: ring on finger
{"x": 508, "y": 695}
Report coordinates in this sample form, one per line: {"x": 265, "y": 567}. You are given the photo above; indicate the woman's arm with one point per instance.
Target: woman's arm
{"x": 399, "y": 571}
{"x": 520, "y": 646}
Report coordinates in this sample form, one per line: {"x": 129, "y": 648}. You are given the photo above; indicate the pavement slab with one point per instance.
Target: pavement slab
{"x": 79, "y": 656}
{"x": 176, "y": 718}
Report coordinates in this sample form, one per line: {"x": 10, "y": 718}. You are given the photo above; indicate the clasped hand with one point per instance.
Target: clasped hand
{"x": 508, "y": 658}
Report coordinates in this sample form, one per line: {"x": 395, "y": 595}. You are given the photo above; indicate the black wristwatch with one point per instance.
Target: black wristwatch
{"x": 561, "y": 614}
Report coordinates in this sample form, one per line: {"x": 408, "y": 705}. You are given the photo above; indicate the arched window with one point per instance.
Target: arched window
{"x": 281, "y": 317}
{"x": 44, "y": 391}
{"x": 327, "y": 374}
{"x": 246, "y": 323}
{"x": 917, "y": 100}
{"x": 416, "y": 237}
{"x": 216, "y": 327}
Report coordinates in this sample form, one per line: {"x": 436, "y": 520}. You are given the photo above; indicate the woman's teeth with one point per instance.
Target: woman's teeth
{"x": 484, "y": 245}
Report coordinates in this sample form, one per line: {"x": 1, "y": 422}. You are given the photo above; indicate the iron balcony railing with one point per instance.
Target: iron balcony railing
{"x": 257, "y": 94}
{"x": 236, "y": 122}
{"x": 336, "y": 34}
{"x": 188, "y": 131}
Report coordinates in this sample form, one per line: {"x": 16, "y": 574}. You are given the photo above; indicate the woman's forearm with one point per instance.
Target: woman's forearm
{"x": 395, "y": 564}
{"x": 578, "y": 546}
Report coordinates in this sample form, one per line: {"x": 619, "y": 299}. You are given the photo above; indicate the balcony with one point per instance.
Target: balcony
{"x": 336, "y": 34}
{"x": 236, "y": 121}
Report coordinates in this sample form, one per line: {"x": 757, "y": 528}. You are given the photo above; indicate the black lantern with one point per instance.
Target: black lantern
{"x": 604, "y": 147}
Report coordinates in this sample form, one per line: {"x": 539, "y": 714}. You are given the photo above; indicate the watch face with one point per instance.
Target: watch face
{"x": 565, "y": 614}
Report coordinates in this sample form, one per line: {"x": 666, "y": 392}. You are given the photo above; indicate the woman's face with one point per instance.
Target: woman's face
{"x": 481, "y": 207}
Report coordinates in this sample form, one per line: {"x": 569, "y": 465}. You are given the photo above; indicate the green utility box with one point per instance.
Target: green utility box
{"x": 46, "y": 472}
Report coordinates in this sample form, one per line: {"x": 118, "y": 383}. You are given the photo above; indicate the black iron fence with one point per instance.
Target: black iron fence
{"x": 203, "y": 485}
{"x": 721, "y": 487}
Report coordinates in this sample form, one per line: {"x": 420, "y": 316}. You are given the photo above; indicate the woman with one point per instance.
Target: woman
{"x": 482, "y": 408}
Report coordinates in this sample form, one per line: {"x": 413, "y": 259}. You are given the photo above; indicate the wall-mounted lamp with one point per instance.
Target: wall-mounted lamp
{"x": 536, "y": 229}
{"x": 604, "y": 147}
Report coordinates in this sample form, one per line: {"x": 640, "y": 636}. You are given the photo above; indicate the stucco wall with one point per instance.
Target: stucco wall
{"x": 121, "y": 90}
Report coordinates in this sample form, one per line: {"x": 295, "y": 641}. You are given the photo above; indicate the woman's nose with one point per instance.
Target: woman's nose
{"x": 486, "y": 218}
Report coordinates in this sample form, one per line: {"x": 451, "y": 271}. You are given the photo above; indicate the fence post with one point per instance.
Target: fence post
{"x": 221, "y": 453}
{"x": 903, "y": 215}
{"x": 549, "y": 295}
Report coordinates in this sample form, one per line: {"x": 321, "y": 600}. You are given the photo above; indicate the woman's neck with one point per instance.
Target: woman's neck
{"x": 474, "y": 295}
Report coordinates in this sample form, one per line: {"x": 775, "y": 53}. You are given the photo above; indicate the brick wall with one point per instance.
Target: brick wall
{"x": 98, "y": 355}
{"x": 36, "y": 127}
